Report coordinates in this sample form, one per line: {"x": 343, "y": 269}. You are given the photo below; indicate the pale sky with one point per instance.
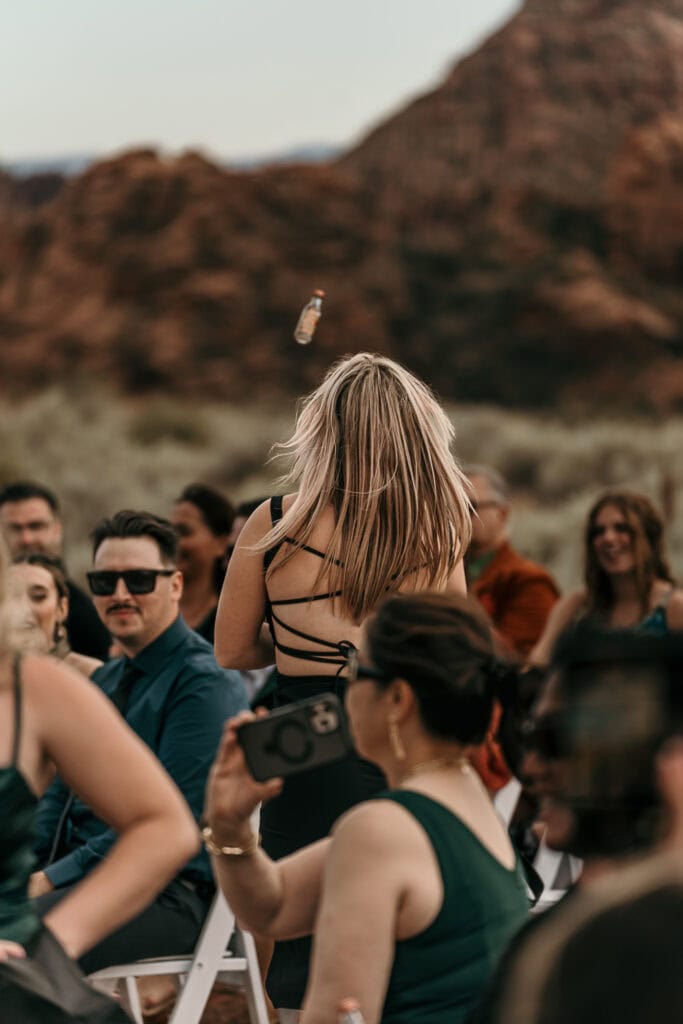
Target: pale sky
{"x": 231, "y": 77}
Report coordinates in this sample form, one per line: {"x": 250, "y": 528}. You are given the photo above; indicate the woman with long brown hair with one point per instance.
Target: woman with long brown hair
{"x": 380, "y": 506}
{"x": 628, "y": 583}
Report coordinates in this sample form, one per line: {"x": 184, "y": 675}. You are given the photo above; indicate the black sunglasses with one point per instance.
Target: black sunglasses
{"x": 354, "y": 669}
{"x": 103, "y": 582}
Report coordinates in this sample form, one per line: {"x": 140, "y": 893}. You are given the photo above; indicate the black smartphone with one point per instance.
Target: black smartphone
{"x": 296, "y": 738}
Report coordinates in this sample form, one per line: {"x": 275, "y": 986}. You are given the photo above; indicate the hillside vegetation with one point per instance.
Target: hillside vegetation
{"x": 100, "y": 453}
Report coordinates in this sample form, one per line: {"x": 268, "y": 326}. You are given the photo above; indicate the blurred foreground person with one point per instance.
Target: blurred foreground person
{"x": 418, "y": 890}
{"x": 40, "y": 596}
{"x": 50, "y": 717}
{"x": 31, "y": 521}
{"x": 203, "y": 518}
{"x": 172, "y": 693}
{"x": 628, "y": 582}
{"x": 381, "y": 506}
{"x": 611, "y": 725}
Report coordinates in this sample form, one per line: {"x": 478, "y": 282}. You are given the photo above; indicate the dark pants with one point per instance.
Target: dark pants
{"x": 168, "y": 927}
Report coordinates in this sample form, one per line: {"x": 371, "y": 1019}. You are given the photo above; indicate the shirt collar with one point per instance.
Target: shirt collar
{"x": 152, "y": 659}
{"x": 474, "y": 567}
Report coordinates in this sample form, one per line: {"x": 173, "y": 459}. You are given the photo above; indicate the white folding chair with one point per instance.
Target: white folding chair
{"x": 211, "y": 961}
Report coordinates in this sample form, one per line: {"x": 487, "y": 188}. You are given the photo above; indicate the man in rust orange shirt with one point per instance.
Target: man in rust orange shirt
{"x": 516, "y": 593}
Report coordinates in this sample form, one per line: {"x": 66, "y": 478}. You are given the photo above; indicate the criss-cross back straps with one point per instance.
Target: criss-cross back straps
{"x": 333, "y": 653}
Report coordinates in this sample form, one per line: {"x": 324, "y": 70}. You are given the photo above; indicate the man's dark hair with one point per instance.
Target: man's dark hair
{"x": 24, "y": 490}
{"x": 129, "y": 523}
{"x": 217, "y": 512}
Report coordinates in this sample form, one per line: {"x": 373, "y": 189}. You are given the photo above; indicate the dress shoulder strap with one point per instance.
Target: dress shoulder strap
{"x": 16, "y": 684}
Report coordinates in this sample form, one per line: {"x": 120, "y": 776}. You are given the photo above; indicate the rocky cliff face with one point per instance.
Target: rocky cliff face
{"x": 516, "y": 235}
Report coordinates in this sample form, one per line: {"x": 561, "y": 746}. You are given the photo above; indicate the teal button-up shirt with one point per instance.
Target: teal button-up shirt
{"x": 178, "y": 707}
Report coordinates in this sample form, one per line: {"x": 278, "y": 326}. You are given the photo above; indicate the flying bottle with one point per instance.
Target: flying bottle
{"x": 308, "y": 319}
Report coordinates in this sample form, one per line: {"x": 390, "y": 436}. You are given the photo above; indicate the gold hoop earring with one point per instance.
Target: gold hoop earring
{"x": 395, "y": 741}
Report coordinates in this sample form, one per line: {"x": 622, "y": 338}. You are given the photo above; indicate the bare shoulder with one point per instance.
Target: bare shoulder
{"x": 82, "y": 663}
{"x": 674, "y": 610}
{"x": 373, "y": 826}
{"x": 49, "y": 682}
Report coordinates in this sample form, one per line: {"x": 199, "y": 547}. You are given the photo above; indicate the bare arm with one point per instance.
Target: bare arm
{"x": 355, "y": 934}
{"x": 112, "y": 771}
{"x": 242, "y": 604}
{"x": 275, "y": 899}
{"x": 561, "y": 616}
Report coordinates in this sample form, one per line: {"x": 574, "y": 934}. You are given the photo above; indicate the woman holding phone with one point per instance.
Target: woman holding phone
{"x": 418, "y": 890}
{"x": 380, "y": 506}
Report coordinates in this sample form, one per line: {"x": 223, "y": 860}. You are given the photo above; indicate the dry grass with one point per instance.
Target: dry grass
{"x": 100, "y": 452}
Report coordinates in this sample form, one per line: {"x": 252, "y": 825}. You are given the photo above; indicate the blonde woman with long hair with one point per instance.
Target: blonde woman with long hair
{"x": 380, "y": 506}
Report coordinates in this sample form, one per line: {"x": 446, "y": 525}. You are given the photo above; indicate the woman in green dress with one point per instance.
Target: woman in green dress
{"x": 417, "y": 891}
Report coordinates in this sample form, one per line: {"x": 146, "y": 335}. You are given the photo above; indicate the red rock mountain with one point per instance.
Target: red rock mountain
{"x": 516, "y": 235}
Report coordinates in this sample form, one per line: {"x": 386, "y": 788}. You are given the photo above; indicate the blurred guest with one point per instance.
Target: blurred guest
{"x": 172, "y": 693}
{"x": 418, "y": 890}
{"x": 41, "y": 597}
{"x": 609, "y": 953}
{"x": 50, "y": 718}
{"x": 516, "y": 593}
{"x": 30, "y": 521}
{"x": 627, "y": 580}
{"x": 203, "y": 518}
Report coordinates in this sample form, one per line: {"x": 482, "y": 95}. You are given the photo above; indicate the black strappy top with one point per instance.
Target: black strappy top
{"x": 18, "y": 919}
{"x": 327, "y": 652}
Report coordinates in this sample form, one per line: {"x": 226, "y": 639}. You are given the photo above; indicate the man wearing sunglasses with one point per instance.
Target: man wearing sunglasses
{"x": 173, "y": 694}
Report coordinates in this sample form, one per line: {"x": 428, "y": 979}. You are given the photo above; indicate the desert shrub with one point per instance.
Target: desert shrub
{"x": 100, "y": 452}
{"x": 163, "y": 419}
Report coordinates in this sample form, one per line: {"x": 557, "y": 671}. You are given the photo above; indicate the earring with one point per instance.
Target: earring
{"x": 395, "y": 741}
{"x": 60, "y": 632}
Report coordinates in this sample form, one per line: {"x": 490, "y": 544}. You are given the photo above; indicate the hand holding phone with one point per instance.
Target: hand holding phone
{"x": 296, "y": 738}
{"x": 232, "y": 793}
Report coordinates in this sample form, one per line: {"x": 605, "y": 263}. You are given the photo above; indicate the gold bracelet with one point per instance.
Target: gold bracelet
{"x": 229, "y": 851}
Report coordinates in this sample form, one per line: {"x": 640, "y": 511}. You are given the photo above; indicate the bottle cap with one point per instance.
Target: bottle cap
{"x": 319, "y": 293}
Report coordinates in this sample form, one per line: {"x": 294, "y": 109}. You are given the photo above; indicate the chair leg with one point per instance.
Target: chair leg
{"x": 132, "y": 999}
{"x": 253, "y": 985}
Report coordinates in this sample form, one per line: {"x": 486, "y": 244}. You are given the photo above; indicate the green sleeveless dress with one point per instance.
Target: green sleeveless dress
{"x": 18, "y": 920}
{"x": 437, "y": 976}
